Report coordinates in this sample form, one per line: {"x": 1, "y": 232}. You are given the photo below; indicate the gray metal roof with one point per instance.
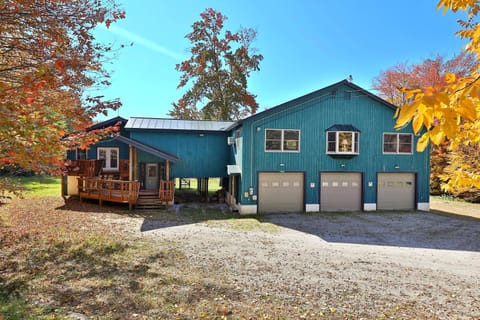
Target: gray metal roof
{"x": 174, "y": 124}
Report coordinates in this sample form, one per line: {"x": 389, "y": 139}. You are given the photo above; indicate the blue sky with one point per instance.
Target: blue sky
{"x": 306, "y": 44}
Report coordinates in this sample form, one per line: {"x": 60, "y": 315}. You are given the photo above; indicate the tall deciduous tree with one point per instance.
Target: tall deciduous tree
{"x": 48, "y": 59}
{"x": 452, "y": 110}
{"x": 464, "y": 160}
{"x": 429, "y": 73}
{"x": 220, "y": 65}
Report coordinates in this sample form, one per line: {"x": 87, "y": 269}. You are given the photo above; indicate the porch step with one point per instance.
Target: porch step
{"x": 145, "y": 202}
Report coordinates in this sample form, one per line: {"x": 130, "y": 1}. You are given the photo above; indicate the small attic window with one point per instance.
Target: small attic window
{"x": 347, "y": 95}
{"x": 343, "y": 139}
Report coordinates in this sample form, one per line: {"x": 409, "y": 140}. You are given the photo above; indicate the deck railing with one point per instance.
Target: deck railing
{"x": 93, "y": 168}
{"x": 109, "y": 190}
{"x": 88, "y": 168}
{"x": 166, "y": 191}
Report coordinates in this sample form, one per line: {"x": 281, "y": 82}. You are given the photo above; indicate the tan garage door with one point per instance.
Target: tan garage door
{"x": 396, "y": 191}
{"x": 280, "y": 192}
{"x": 340, "y": 191}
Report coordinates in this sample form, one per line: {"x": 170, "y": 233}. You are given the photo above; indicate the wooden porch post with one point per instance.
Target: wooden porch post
{"x": 130, "y": 165}
{"x": 64, "y": 181}
{"x": 135, "y": 160}
{"x": 232, "y": 189}
{"x": 206, "y": 190}
{"x": 167, "y": 171}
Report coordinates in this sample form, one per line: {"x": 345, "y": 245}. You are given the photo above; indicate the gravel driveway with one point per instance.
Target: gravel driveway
{"x": 421, "y": 265}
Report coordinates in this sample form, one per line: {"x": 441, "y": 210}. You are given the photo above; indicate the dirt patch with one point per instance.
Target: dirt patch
{"x": 404, "y": 265}
{"x": 79, "y": 260}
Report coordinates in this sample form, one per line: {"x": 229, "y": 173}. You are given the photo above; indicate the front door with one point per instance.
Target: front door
{"x": 151, "y": 177}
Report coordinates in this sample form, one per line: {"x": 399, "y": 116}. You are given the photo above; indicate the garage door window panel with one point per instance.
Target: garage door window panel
{"x": 282, "y": 140}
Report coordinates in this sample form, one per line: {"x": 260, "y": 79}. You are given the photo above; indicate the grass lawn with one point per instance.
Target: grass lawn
{"x": 454, "y": 206}
{"x": 45, "y": 186}
{"x": 41, "y": 185}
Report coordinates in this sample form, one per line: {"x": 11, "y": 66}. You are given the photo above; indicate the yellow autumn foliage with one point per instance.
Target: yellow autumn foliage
{"x": 451, "y": 111}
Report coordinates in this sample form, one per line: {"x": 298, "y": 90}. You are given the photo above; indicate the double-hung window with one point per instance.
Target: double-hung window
{"x": 397, "y": 143}
{"x": 110, "y": 157}
{"x": 81, "y": 154}
{"x": 282, "y": 140}
{"x": 343, "y": 142}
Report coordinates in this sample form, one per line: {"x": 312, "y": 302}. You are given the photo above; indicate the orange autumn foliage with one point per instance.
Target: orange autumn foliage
{"x": 48, "y": 60}
{"x": 450, "y": 111}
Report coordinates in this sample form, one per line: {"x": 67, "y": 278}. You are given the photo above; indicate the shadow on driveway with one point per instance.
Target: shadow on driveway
{"x": 430, "y": 230}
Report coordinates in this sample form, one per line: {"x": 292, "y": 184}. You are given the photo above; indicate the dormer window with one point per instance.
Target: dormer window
{"x": 342, "y": 139}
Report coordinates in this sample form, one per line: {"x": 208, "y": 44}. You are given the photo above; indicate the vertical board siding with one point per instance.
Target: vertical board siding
{"x": 313, "y": 117}
{"x": 109, "y": 143}
{"x": 92, "y": 151}
{"x": 200, "y": 154}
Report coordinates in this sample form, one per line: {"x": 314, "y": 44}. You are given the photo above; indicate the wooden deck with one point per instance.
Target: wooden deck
{"x": 109, "y": 190}
{"x": 122, "y": 191}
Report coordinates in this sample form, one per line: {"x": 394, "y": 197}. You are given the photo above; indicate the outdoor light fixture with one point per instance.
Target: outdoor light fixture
{"x": 396, "y": 166}
{"x": 343, "y": 165}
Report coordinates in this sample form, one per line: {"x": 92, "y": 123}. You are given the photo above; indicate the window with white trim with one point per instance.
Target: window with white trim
{"x": 342, "y": 142}
{"x": 282, "y": 140}
{"x": 110, "y": 156}
{"x": 398, "y": 143}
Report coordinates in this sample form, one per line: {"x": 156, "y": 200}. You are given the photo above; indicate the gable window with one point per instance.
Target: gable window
{"x": 110, "y": 157}
{"x": 398, "y": 143}
{"x": 342, "y": 140}
{"x": 282, "y": 140}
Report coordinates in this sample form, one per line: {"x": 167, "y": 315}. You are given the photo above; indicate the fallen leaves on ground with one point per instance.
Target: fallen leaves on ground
{"x": 62, "y": 260}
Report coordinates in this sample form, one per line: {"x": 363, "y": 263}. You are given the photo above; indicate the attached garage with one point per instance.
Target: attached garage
{"x": 396, "y": 191}
{"x": 340, "y": 191}
{"x": 281, "y": 192}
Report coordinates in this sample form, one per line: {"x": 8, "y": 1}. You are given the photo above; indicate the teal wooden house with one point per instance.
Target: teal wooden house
{"x": 198, "y": 148}
{"x": 334, "y": 149}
